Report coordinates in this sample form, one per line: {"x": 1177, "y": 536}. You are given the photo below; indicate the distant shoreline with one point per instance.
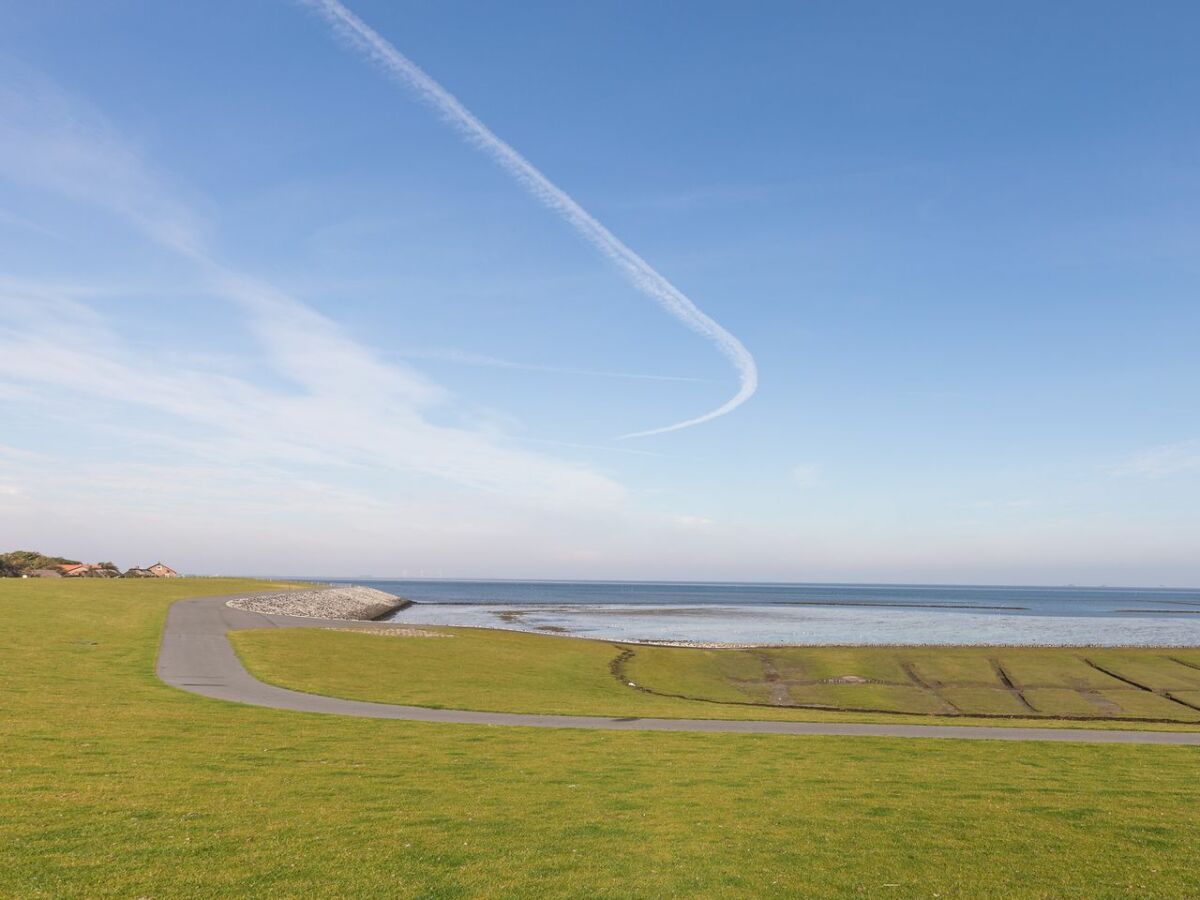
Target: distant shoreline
{"x": 818, "y": 603}
{"x": 935, "y": 585}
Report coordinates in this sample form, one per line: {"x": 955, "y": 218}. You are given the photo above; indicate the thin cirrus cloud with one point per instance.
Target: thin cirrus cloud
{"x": 351, "y": 415}
{"x": 640, "y": 273}
{"x": 491, "y": 362}
{"x": 340, "y": 407}
{"x": 1163, "y": 461}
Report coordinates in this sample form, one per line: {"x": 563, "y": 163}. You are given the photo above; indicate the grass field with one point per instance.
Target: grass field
{"x": 513, "y": 671}
{"x": 116, "y": 785}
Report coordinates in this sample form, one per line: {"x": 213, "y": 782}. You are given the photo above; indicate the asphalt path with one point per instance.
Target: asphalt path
{"x": 195, "y": 655}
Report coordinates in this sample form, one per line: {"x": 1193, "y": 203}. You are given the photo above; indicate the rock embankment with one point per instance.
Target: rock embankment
{"x": 355, "y": 603}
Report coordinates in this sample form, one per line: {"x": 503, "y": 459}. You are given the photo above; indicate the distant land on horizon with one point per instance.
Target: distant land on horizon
{"x": 722, "y": 583}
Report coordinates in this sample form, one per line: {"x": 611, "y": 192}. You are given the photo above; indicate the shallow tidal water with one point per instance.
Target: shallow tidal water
{"x": 811, "y": 614}
{"x": 805, "y": 625}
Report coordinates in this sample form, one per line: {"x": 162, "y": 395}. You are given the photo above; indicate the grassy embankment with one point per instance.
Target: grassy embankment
{"x": 520, "y": 672}
{"x": 116, "y": 785}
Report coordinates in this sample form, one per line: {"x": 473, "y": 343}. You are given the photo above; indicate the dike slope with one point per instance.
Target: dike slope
{"x": 196, "y": 656}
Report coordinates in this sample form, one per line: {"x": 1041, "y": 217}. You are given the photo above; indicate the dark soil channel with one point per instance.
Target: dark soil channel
{"x": 1008, "y": 683}
{"x": 911, "y": 671}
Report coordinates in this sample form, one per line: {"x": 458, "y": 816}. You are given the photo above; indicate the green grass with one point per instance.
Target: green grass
{"x": 1169, "y": 674}
{"x": 721, "y": 676}
{"x": 116, "y": 785}
{"x": 1037, "y": 668}
{"x": 833, "y": 662}
{"x": 986, "y": 700}
{"x": 936, "y": 680}
{"x": 509, "y": 671}
{"x": 958, "y": 665}
{"x": 1065, "y": 702}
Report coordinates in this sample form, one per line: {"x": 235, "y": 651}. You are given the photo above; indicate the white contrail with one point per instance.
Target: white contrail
{"x": 639, "y": 272}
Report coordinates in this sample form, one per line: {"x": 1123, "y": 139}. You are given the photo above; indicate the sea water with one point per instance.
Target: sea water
{"x": 750, "y": 613}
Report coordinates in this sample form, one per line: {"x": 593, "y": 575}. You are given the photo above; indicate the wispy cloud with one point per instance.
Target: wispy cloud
{"x": 12, "y": 220}
{"x": 58, "y": 143}
{"x": 341, "y": 408}
{"x": 492, "y": 362}
{"x": 18, "y": 453}
{"x": 340, "y": 405}
{"x": 605, "y": 448}
{"x": 1162, "y": 461}
{"x": 640, "y": 273}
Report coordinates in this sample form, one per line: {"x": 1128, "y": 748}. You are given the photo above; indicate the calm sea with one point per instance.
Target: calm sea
{"x": 811, "y": 613}
{"x": 1039, "y": 601}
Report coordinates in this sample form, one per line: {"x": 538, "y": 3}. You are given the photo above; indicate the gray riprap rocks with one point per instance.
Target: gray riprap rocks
{"x": 353, "y": 603}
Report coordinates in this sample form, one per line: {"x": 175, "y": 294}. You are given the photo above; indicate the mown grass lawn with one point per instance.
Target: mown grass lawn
{"x": 116, "y": 785}
{"x": 511, "y": 671}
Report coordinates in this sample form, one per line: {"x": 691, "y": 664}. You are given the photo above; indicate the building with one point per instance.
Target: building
{"x": 158, "y": 570}
{"x": 42, "y": 573}
{"x": 88, "y": 570}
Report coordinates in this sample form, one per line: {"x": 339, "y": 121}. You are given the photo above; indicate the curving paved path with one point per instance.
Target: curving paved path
{"x": 196, "y": 656}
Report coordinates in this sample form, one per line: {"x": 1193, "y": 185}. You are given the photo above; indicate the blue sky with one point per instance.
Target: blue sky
{"x": 263, "y": 310}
